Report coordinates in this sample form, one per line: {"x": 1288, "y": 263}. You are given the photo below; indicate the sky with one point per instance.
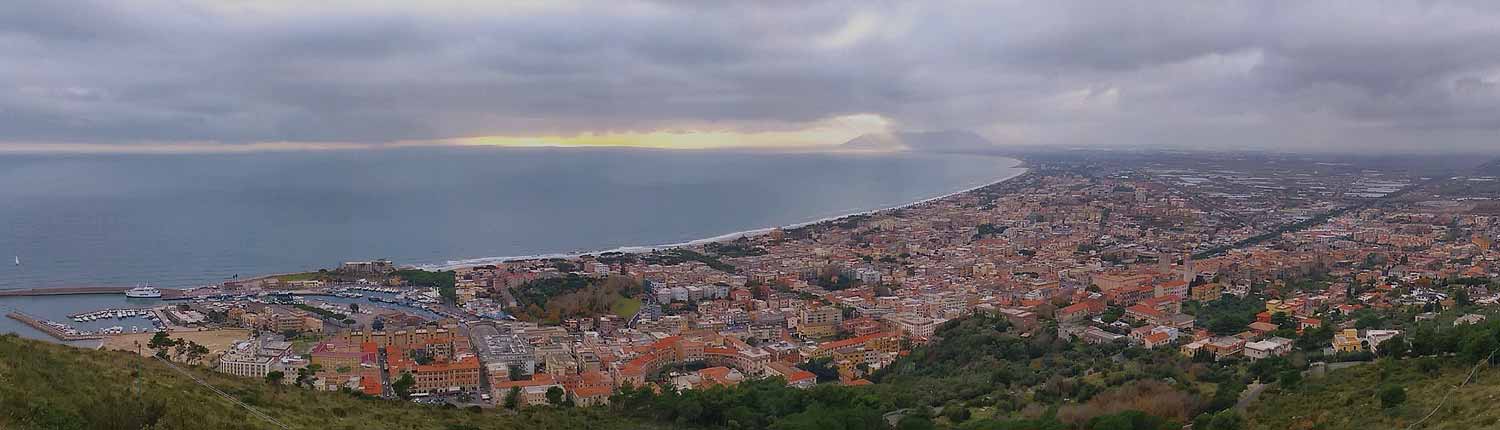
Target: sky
{"x": 230, "y": 75}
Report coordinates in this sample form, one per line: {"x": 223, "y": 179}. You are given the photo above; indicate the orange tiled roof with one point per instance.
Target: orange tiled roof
{"x": 719, "y": 351}
{"x": 1145, "y": 310}
{"x": 837, "y": 344}
{"x": 1158, "y": 337}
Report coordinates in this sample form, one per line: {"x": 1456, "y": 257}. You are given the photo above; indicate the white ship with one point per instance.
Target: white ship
{"x": 146, "y": 292}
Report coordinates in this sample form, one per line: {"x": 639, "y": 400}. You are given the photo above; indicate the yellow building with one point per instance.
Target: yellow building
{"x": 1207, "y": 292}
{"x": 1272, "y": 305}
{"x": 1346, "y": 340}
{"x": 816, "y": 331}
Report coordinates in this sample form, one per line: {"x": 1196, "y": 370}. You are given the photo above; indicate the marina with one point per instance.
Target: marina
{"x": 95, "y": 313}
{"x": 111, "y": 313}
{"x": 57, "y": 330}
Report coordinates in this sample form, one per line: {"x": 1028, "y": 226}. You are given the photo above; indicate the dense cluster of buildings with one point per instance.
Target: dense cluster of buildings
{"x": 1103, "y": 254}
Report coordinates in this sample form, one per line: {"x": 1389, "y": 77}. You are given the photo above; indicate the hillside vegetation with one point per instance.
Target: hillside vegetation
{"x": 48, "y": 386}
{"x": 982, "y": 375}
{"x": 1396, "y": 391}
{"x": 1352, "y": 398}
{"x": 977, "y": 374}
{"x": 551, "y": 300}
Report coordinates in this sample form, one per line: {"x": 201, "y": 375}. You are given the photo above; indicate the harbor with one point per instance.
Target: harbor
{"x": 93, "y": 313}
{"x": 55, "y": 329}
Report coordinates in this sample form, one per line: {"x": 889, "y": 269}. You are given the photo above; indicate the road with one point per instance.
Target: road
{"x": 1246, "y": 398}
{"x": 477, "y": 333}
{"x": 385, "y": 376}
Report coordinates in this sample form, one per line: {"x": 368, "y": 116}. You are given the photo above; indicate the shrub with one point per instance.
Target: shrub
{"x": 1392, "y": 395}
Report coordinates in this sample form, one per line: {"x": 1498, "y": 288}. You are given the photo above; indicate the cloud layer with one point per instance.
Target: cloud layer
{"x": 1292, "y": 75}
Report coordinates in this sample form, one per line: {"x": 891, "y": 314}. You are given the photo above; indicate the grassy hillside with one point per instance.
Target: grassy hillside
{"x": 977, "y": 375}
{"x": 47, "y": 386}
{"x": 1350, "y": 398}
{"x": 552, "y": 299}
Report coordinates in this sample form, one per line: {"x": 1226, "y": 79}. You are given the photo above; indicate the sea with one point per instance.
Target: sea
{"x": 181, "y": 220}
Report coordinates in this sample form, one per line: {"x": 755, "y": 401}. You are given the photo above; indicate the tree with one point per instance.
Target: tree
{"x": 1127, "y": 420}
{"x": 513, "y": 398}
{"x": 1367, "y": 319}
{"x": 1392, "y": 395}
{"x": 1315, "y": 338}
{"x": 180, "y": 350}
{"x": 307, "y": 375}
{"x": 823, "y": 368}
{"x": 1281, "y": 319}
{"x": 555, "y": 395}
{"x": 1112, "y": 314}
{"x": 275, "y": 377}
{"x": 449, "y": 294}
{"x": 1227, "y": 325}
{"x": 354, "y": 308}
{"x": 1226, "y": 396}
{"x": 403, "y": 385}
{"x": 1290, "y": 378}
{"x": 956, "y": 413}
{"x": 914, "y": 422}
{"x": 1226, "y": 420}
{"x": 196, "y": 352}
{"x": 1394, "y": 347}
{"x": 1477, "y": 345}
{"x": 378, "y": 324}
{"x": 161, "y": 343}
{"x": 1268, "y": 369}
{"x": 303, "y": 377}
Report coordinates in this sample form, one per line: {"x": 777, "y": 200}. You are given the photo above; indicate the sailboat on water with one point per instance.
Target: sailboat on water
{"x": 18, "y": 260}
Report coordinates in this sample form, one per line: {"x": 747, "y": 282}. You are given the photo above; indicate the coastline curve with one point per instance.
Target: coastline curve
{"x": 1016, "y": 164}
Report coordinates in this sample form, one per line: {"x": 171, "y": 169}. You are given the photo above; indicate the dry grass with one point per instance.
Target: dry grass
{"x": 217, "y": 341}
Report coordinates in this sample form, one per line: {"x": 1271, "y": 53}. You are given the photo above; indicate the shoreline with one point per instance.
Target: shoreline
{"x": 641, "y": 249}
{"x": 1021, "y": 167}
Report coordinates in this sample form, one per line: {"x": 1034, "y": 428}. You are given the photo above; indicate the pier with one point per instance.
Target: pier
{"x": 51, "y": 330}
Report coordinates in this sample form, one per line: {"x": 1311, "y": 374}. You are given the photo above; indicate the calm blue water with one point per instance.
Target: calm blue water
{"x": 182, "y": 220}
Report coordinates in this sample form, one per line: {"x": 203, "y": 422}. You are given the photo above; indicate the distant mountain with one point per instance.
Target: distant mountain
{"x": 924, "y": 141}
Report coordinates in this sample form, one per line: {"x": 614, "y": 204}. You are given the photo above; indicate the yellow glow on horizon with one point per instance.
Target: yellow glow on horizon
{"x": 824, "y": 133}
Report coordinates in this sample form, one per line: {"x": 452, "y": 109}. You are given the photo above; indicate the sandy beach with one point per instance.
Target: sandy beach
{"x": 216, "y": 341}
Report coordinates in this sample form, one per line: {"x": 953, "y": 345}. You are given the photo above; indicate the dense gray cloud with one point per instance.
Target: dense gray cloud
{"x": 1418, "y": 75}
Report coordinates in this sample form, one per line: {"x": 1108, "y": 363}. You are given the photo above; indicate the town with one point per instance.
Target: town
{"x": 1240, "y": 261}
